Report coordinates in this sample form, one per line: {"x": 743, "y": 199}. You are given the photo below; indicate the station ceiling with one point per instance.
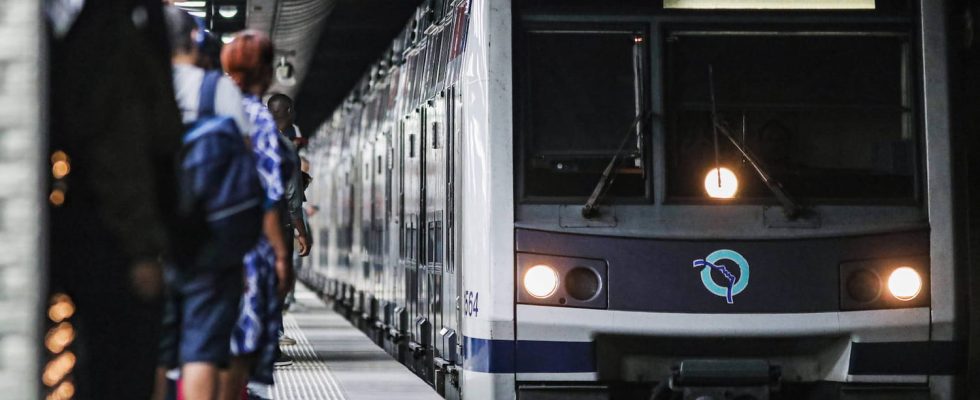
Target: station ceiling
{"x": 330, "y": 43}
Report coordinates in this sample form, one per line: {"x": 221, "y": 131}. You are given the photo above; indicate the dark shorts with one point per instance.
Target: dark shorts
{"x": 200, "y": 313}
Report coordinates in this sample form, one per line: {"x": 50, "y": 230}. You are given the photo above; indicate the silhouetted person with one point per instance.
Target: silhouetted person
{"x": 113, "y": 113}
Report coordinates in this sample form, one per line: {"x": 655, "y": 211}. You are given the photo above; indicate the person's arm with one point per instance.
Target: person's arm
{"x": 272, "y": 229}
{"x": 303, "y": 236}
{"x": 294, "y": 194}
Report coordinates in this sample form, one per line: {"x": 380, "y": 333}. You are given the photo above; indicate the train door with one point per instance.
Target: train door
{"x": 435, "y": 222}
{"x": 447, "y": 343}
{"x": 345, "y": 230}
{"x": 389, "y": 248}
{"x": 421, "y": 345}
{"x": 412, "y": 191}
{"x": 378, "y": 224}
{"x": 365, "y": 271}
{"x": 395, "y": 308}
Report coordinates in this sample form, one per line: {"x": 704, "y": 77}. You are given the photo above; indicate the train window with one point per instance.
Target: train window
{"x": 434, "y": 132}
{"x": 828, "y": 115}
{"x": 581, "y": 91}
{"x": 411, "y": 145}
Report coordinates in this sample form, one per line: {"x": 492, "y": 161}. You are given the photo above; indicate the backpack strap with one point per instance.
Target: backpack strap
{"x": 209, "y": 86}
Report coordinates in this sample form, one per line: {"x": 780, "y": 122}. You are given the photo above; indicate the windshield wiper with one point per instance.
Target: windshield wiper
{"x": 790, "y": 209}
{"x": 591, "y": 208}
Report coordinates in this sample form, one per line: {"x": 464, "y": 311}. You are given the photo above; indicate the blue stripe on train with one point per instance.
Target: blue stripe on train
{"x": 508, "y": 356}
{"x": 888, "y": 358}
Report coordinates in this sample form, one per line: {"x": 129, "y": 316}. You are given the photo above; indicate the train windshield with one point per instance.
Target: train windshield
{"x": 581, "y": 91}
{"x": 826, "y": 114}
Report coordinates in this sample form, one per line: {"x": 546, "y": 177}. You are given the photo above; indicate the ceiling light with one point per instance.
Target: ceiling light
{"x": 228, "y": 11}
{"x": 189, "y": 3}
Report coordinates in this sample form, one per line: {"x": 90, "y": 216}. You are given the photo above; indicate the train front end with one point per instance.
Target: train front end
{"x": 730, "y": 199}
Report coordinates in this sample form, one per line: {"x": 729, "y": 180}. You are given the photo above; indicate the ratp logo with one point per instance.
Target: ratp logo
{"x": 733, "y": 284}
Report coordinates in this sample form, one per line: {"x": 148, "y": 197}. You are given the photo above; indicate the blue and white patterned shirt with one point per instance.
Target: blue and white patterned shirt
{"x": 265, "y": 144}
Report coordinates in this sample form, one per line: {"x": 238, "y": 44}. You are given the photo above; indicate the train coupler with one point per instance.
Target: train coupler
{"x": 748, "y": 379}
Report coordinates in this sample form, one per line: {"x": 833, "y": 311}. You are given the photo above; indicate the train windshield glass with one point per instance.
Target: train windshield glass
{"x": 826, "y": 114}
{"x": 581, "y": 90}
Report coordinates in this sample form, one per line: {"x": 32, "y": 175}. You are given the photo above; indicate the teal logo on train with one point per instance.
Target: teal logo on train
{"x": 734, "y": 283}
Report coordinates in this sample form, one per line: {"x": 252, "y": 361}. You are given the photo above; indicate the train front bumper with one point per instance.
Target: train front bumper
{"x": 569, "y": 344}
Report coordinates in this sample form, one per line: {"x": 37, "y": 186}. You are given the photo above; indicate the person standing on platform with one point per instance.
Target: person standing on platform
{"x": 203, "y": 289}
{"x": 268, "y": 267}
{"x": 281, "y": 108}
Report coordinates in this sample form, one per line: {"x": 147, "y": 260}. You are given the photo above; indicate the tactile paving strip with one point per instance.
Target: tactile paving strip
{"x": 308, "y": 378}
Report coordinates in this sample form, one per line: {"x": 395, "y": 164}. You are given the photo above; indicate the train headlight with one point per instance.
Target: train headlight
{"x": 904, "y": 283}
{"x": 864, "y": 286}
{"x": 582, "y": 283}
{"x": 541, "y": 281}
{"x": 721, "y": 183}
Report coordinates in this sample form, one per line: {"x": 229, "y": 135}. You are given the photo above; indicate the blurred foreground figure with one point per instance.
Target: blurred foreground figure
{"x": 113, "y": 114}
{"x": 219, "y": 213}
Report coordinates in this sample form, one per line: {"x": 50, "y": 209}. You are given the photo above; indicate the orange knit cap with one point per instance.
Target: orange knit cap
{"x": 248, "y": 58}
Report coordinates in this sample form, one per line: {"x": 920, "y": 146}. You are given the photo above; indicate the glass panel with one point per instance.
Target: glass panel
{"x": 827, "y": 115}
{"x": 583, "y": 90}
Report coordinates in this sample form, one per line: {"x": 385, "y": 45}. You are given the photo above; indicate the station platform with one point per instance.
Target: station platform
{"x": 335, "y": 361}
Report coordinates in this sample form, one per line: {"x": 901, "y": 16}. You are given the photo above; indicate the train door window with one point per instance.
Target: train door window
{"x": 582, "y": 90}
{"x": 434, "y": 248}
{"x": 411, "y": 145}
{"x": 827, "y": 114}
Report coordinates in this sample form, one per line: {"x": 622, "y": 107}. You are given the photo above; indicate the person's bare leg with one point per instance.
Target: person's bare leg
{"x": 199, "y": 381}
{"x": 160, "y": 384}
{"x": 234, "y": 378}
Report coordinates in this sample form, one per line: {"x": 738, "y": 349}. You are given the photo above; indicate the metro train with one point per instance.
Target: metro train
{"x": 543, "y": 199}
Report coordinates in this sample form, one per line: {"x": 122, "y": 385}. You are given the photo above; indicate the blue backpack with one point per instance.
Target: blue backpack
{"x": 220, "y": 197}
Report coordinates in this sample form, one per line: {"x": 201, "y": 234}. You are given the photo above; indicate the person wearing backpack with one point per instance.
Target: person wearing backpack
{"x": 219, "y": 215}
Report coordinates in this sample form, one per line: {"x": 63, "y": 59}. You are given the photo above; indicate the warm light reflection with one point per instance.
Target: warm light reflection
{"x": 57, "y": 369}
{"x": 57, "y": 197}
{"x": 59, "y": 337}
{"x": 58, "y": 156}
{"x": 64, "y": 391}
{"x": 60, "y": 169}
{"x": 61, "y": 308}
{"x": 723, "y": 187}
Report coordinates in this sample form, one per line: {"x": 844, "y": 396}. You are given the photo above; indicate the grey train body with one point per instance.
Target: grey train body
{"x": 463, "y": 159}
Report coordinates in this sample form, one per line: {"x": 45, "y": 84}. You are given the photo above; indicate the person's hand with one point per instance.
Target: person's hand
{"x": 284, "y": 271}
{"x": 146, "y": 279}
{"x": 304, "y": 245}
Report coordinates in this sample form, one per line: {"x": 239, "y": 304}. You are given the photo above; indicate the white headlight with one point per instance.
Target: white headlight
{"x": 721, "y": 187}
{"x": 541, "y": 281}
{"x": 904, "y": 283}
